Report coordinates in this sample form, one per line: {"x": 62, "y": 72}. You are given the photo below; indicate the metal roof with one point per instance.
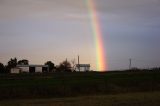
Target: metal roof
{"x": 32, "y": 65}
{"x": 83, "y": 65}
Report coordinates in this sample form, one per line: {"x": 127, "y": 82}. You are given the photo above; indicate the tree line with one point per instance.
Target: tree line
{"x": 64, "y": 66}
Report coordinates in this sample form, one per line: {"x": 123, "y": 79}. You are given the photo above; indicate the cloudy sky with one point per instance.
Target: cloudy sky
{"x": 41, "y": 30}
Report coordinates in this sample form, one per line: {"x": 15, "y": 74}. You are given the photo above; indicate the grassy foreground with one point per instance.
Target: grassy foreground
{"x": 55, "y": 85}
{"x": 128, "y": 99}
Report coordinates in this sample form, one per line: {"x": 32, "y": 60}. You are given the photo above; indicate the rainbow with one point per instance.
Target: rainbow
{"x": 101, "y": 62}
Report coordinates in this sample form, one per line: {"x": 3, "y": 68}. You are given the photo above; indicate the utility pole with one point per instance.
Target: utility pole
{"x": 66, "y": 65}
{"x": 78, "y": 64}
{"x": 130, "y": 63}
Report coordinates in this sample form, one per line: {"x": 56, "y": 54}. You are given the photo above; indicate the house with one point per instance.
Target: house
{"x": 82, "y": 67}
{"x": 30, "y": 69}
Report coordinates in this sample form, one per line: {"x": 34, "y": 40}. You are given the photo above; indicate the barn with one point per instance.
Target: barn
{"x": 30, "y": 69}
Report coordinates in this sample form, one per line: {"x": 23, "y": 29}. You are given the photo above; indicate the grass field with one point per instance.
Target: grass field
{"x": 23, "y": 86}
{"x": 128, "y": 99}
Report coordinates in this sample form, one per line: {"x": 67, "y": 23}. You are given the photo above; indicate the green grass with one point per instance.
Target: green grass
{"x": 128, "y": 99}
{"x": 16, "y": 86}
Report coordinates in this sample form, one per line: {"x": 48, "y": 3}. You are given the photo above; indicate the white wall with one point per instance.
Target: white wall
{"x": 38, "y": 69}
{"x": 24, "y": 69}
{"x": 83, "y": 69}
{"x": 15, "y": 70}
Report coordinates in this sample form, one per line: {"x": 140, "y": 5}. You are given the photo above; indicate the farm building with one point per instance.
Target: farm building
{"x": 82, "y": 67}
{"x": 30, "y": 69}
{"x": 16, "y": 70}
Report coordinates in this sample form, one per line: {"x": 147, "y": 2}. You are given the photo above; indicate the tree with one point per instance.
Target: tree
{"x": 73, "y": 64}
{"x": 23, "y": 62}
{"x": 65, "y": 66}
{"x": 2, "y": 68}
{"x": 50, "y": 65}
{"x": 11, "y": 64}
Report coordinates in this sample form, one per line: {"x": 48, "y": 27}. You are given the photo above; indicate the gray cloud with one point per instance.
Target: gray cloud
{"x": 130, "y": 29}
{"x": 17, "y": 9}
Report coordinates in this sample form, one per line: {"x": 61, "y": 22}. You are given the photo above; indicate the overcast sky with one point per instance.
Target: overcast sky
{"x": 41, "y": 30}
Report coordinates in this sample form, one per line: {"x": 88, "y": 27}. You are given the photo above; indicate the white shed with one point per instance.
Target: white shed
{"x": 82, "y": 67}
{"x": 30, "y": 69}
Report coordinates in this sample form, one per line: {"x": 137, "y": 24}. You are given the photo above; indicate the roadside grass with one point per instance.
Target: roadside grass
{"x": 128, "y": 99}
